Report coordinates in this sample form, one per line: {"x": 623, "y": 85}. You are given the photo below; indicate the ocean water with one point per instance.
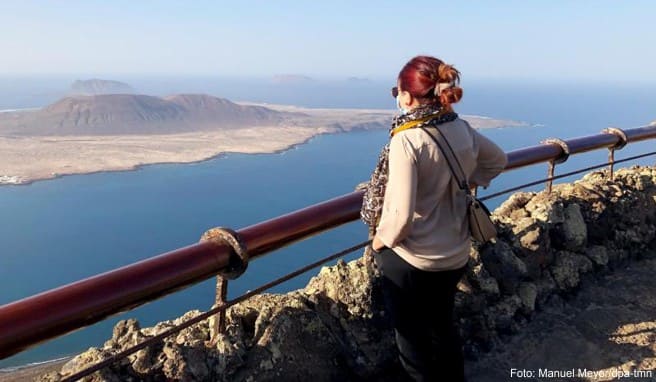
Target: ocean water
{"x": 58, "y": 231}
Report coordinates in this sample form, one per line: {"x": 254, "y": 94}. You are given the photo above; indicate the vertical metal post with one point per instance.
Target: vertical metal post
{"x": 622, "y": 141}
{"x": 236, "y": 266}
{"x": 561, "y": 159}
{"x": 219, "y": 322}
{"x": 550, "y": 174}
{"x": 611, "y": 161}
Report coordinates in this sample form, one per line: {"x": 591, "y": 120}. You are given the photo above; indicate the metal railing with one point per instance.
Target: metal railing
{"x": 53, "y": 313}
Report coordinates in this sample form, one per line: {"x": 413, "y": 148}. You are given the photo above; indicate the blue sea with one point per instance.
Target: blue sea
{"x": 58, "y": 231}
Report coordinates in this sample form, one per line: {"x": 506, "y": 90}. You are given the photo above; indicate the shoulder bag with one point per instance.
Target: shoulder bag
{"x": 481, "y": 226}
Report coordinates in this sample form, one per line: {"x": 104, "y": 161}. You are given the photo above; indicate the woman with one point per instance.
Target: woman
{"x": 422, "y": 240}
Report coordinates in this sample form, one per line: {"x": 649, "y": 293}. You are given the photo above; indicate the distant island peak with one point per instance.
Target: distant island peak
{"x": 96, "y": 86}
{"x": 283, "y": 79}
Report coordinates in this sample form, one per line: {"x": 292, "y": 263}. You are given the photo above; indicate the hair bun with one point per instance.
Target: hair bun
{"x": 442, "y": 86}
{"x": 451, "y": 95}
{"x": 447, "y": 89}
{"x": 447, "y": 73}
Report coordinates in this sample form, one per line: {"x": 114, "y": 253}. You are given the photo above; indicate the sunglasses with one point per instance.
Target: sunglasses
{"x": 395, "y": 92}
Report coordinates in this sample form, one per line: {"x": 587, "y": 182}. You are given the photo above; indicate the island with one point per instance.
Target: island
{"x": 111, "y": 132}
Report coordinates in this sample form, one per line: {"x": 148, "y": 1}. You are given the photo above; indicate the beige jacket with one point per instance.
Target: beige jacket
{"x": 424, "y": 212}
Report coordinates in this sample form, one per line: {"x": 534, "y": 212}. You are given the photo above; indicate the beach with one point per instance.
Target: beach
{"x": 30, "y": 372}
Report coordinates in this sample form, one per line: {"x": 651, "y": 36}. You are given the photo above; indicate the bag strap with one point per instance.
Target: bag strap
{"x": 450, "y": 159}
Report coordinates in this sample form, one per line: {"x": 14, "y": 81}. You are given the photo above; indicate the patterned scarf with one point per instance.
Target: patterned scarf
{"x": 424, "y": 115}
{"x": 427, "y": 114}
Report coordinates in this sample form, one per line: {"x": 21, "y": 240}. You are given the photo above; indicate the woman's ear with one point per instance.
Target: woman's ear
{"x": 407, "y": 100}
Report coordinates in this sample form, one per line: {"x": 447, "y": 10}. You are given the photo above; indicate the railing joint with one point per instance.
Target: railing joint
{"x": 619, "y": 133}
{"x": 238, "y": 261}
{"x": 564, "y": 156}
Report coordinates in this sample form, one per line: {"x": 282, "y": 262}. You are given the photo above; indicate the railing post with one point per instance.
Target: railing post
{"x": 550, "y": 174}
{"x": 611, "y": 150}
{"x": 552, "y": 163}
{"x": 218, "y": 323}
{"x": 237, "y": 265}
{"x": 611, "y": 162}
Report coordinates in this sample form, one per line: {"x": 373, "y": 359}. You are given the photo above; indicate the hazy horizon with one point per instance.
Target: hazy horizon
{"x": 315, "y": 78}
{"x": 512, "y": 40}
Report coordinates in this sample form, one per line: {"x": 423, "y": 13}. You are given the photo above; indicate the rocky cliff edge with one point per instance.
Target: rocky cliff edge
{"x": 335, "y": 328}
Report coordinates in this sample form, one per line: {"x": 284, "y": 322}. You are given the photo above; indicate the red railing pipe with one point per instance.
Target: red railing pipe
{"x": 50, "y": 314}
{"x": 548, "y": 152}
{"x": 275, "y": 233}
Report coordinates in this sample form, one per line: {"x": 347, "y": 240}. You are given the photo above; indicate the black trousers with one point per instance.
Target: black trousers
{"x": 420, "y": 304}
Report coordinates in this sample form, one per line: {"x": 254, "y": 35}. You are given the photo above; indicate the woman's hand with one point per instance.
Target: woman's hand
{"x": 377, "y": 244}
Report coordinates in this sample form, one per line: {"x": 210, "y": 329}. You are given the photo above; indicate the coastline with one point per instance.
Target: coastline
{"x": 31, "y": 371}
{"x": 28, "y": 159}
{"x": 28, "y": 181}
{"x": 272, "y": 147}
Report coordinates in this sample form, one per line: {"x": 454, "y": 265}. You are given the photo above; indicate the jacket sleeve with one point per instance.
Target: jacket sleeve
{"x": 400, "y": 192}
{"x": 490, "y": 162}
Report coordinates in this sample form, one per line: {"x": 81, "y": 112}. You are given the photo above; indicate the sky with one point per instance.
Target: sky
{"x": 591, "y": 40}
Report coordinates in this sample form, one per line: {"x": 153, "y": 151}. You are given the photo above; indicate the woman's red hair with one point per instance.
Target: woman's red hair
{"x": 420, "y": 76}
